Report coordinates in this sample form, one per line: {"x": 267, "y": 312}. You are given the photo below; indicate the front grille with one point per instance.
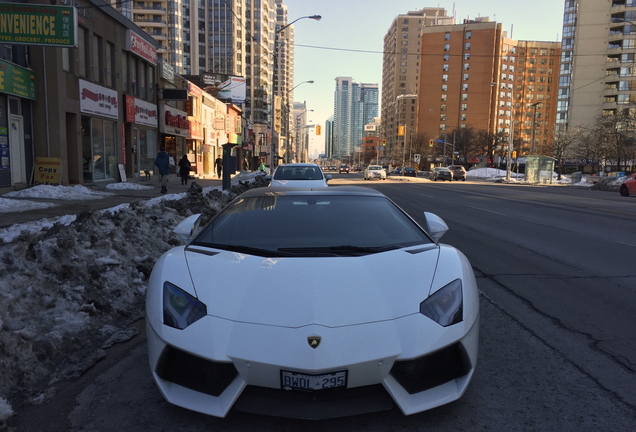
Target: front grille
{"x": 194, "y": 372}
{"x": 429, "y": 371}
{"x": 314, "y": 405}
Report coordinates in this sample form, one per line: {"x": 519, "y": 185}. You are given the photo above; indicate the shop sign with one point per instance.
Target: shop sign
{"x": 175, "y": 122}
{"x": 140, "y": 46}
{"x": 145, "y": 113}
{"x": 48, "y": 171}
{"x": 17, "y": 81}
{"x": 38, "y": 24}
{"x": 196, "y": 130}
{"x": 167, "y": 70}
{"x": 98, "y": 100}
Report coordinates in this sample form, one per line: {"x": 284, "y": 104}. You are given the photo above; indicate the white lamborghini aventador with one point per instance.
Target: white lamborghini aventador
{"x": 312, "y": 304}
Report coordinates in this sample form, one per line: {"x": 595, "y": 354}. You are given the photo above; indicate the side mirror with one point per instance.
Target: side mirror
{"x": 186, "y": 229}
{"x": 268, "y": 177}
{"x": 328, "y": 177}
{"x": 435, "y": 226}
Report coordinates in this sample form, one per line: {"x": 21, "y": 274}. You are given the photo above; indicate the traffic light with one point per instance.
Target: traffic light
{"x": 317, "y": 129}
{"x": 514, "y": 154}
{"x": 400, "y": 130}
{"x": 431, "y": 143}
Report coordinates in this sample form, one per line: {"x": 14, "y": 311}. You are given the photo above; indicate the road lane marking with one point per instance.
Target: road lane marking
{"x": 488, "y": 211}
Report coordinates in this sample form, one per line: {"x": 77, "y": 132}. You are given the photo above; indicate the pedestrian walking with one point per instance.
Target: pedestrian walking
{"x": 162, "y": 162}
{"x": 184, "y": 169}
{"x": 218, "y": 163}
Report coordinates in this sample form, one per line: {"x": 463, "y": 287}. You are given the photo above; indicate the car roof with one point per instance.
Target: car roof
{"x": 297, "y": 165}
{"x": 289, "y": 191}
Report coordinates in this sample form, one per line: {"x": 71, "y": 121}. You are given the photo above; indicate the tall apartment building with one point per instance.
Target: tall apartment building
{"x": 400, "y": 70}
{"x": 354, "y": 105}
{"x": 472, "y": 75}
{"x": 224, "y": 37}
{"x": 597, "y": 62}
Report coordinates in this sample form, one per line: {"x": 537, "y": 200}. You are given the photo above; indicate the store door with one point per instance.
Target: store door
{"x": 16, "y": 150}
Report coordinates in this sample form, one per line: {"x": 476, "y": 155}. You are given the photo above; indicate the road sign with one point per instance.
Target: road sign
{"x": 416, "y": 158}
{"x": 439, "y": 141}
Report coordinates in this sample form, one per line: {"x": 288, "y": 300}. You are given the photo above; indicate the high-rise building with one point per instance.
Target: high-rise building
{"x": 354, "y": 105}
{"x": 473, "y": 75}
{"x": 597, "y": 60}
{"x": 400, "y": 70}
{"x": 231, "y": 38}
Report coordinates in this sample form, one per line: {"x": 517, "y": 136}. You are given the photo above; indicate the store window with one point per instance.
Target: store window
{"x": 99, "y": 149}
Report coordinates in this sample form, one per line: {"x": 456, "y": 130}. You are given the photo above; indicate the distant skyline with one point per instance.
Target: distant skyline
{"x": 349, "y": 39}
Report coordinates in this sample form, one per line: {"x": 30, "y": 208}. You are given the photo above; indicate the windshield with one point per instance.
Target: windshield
{"x": 375, "y": 167}
{"x": 304, "y": 225}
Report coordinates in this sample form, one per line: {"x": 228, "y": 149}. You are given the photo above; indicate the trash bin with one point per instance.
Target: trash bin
{"x": 577, "y": 177}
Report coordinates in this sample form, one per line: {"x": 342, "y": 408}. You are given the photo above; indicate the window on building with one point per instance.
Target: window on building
{"x": 82, "y": 54}
{"x": 445, "y": 67}
{"x": 464, "y": 96}
{"x": 444, "y": 78}
{"x": 464, "y": 87}
{"x": 447, "y": 36}
{"x": 446, "y": 47}
{"x": 444, "y": 88}
{"x": 464, "y": 107}
{"x": 96, "y": 73}
{"x": 446, "y": 57}
{"x": 467, "y": 46}
{"x": 66, "y": 60}
{"x": 465, "y": 77}
{"x": 466, "y": 66}
{"x": 109, "y": 64}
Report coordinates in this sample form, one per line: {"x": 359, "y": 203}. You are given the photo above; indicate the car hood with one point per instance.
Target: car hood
{"x": 330, "y": 291}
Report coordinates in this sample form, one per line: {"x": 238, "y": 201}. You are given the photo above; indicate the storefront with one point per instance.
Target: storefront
{"x": 141, "y": 133}
{"x": 174, "y": 128}
{"x": 99, "y": 107}
{"x": 16, "y": 143}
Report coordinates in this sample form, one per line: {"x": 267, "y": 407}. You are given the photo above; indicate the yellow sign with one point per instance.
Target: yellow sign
{"x": 48, "y": 171}
{"x": 400, "y": 130}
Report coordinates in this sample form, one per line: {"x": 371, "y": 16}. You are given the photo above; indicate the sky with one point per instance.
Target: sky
{"x": 348, "y": 40}
{"x": 47, "y": 303}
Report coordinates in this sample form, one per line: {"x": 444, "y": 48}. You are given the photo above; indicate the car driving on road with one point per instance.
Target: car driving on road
{"x": 304, "y": 175}
{"x": 441, "y": 173}
{"x": 459, "y": 172}
{"x": 374, "y": 171}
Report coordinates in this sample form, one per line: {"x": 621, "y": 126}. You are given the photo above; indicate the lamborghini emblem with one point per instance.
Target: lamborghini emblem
{"x": 313, "y": 341}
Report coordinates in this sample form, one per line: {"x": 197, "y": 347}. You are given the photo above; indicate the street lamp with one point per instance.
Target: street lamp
{"x": 534, "y": 117}
{"x": 274, "y": 137}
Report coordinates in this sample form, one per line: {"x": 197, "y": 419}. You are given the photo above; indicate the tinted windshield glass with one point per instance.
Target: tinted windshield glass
{"x": 283, "y": 223}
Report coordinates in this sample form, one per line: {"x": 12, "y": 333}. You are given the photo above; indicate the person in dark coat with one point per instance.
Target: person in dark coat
{"x": 162, "y": 161}
{"x": 184, "y": 169}
{"x": 218, "y": 163}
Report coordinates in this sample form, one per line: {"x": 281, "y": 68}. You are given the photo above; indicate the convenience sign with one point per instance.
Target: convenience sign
{"x": 22, "y": 23}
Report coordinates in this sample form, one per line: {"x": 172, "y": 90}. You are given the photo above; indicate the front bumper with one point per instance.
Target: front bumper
{"x": 399, "y": 362}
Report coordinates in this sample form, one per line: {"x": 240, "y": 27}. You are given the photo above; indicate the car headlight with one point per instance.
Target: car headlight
{"x": 445, "y": 307}
{"x": 180, "y": 309}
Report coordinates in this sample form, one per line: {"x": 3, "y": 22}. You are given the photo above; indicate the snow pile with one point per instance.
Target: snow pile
{"x": 70, "y": 288}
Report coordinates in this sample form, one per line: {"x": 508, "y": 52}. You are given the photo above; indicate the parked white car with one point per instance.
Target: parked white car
{"x": 241, "y": 316}
{"x": 374, "y": 171}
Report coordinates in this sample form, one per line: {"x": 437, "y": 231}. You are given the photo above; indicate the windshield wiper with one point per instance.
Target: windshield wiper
{"x": 340, "y": 250}
{"x": 245, "y": 249}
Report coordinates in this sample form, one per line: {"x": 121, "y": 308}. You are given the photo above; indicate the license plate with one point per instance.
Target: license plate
{"x": 299, "y": 381}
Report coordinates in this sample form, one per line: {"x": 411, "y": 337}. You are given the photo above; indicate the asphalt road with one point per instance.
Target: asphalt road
{"x": 557, "y": 351}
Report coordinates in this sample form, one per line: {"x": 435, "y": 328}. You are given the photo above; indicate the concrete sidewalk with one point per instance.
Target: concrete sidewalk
{"x": 117, "y": 197}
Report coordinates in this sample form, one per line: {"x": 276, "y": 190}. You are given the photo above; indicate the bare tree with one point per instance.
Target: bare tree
{"x": 562, "y": 144}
